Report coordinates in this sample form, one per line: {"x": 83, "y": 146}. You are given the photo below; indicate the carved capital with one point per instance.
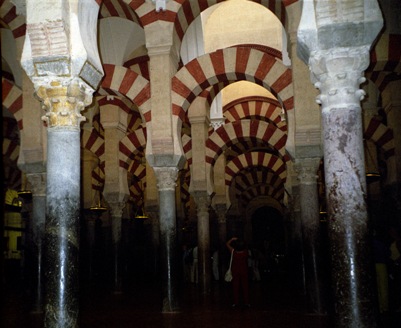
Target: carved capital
{"x": 338, "y": 73}
{"x": 221, "y": 210}
{"x": 307, "y": 170}
{"x": 117, "y": 209}
{"x": 63, "y": 102}
{"x": 202, "y": 200}
{"x": 215, "y": 123}
{"x": 166, "y": 177}
{"x": 37, "y": 182}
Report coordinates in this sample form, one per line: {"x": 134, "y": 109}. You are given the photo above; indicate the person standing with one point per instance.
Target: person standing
{"x": 239, "y": 269}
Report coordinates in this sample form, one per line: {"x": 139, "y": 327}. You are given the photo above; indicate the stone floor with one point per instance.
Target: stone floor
{"x": 274, "y": 305}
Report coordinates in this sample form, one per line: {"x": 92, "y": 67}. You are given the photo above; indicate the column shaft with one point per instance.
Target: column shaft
{"x": 204, "y": 256}
{"x": 169, "y": 259}
{"x": 38, "y": 229}
{"x": 311, "y": 236}
{"x": 339, "y": 72}
{"x": 62, "y": 228}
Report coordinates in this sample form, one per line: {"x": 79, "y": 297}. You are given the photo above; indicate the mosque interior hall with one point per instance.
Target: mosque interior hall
{"x": 140, "y": 136}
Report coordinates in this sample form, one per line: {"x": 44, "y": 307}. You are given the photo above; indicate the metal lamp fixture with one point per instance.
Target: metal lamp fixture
{"x": 98, "y": 204}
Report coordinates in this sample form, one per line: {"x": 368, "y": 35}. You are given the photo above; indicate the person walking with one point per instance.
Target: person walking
{"x": 239, "y": 269}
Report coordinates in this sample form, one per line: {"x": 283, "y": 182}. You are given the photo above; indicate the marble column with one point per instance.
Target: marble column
{"x": 169, "y": 259}
{"x": 338, "y": 73}
{"x": 37, "y": 182}
{"x": 63, "y": 102}
{"x": 202, "y": 200}
{"x": 116, "y": 212}
{"x": 311, "y": 235}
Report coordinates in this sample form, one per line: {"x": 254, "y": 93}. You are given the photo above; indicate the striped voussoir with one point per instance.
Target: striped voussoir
{"x": 231, "y": 64}
{"x": 259, "y": 160}
{"x": 16, "y": 23}
{"x": 231, "y": 133}
{"x": 131, "y": 146}
{"x": 12, "y": 100}
{"x": 381, "y": 135}
{"x": 121, "y": 81}
{"x": 244, "y": 179}
{"x": 385, "y": 66}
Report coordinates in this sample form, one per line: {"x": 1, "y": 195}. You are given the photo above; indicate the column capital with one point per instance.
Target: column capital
{"x": 63, "y": 100}
{"x": 202, "y": 200}
{"x": 166, "y": 177}
{"x": 221, "y": 210}
{"x": 337, "y": 73}
{"x": 37, "y": 181}
{"x": 307, "y": 170}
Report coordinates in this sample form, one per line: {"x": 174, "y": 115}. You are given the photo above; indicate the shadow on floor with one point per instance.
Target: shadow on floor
{"x": 273, "y": 305}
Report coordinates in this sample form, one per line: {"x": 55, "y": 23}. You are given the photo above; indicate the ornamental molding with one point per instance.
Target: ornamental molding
{"x": 63, "y": 100}
{"x": 338, "y": 73}
{"x": 166, "y": 177}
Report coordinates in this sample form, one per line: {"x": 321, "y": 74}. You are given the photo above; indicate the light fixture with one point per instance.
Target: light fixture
{"x": 97, "y": 203}
{"x": 140, "y": 213}
{"x": 371, "y": 175}
{"x": 24, "y": 192}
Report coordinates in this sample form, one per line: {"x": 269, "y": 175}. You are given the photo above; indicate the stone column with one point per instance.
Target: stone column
{"x": 63, "y": 102}
{"x": 152, "y": 210}
{"x": 116, "y": 212}
{"x": 37, "y": 182}
{"x": 339, "y": 74}
{"x": 296, "y": 254}
{"x": 311, "y": 237}
{"x": 221, "y": 210}
{"x": 169, "y": 259}
{"x": 202, "y": 200}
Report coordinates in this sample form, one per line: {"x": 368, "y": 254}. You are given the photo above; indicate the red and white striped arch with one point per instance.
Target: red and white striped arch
{"x": 261, "y": 190}
{"x": 92, "y": 141}
{"x": 244, "y": 179}
{"x": 120, "y": 81}
{"x": 187, "y": 147}
{"x": 139, "y": 65}
{"x": 98, "y": 177}
{"x": 12, "y": 100}
{"x": 385, "y": 61}
{"x": 229, "y": 134}
{"x": 16, "y": 23}
{"x": 131, "y": 146}
{"x": 10, "y": 150}
{"x": 258, "y": 160}
{"x": 267, "y": 109}
{"x": 10, "y": 156}
{"x": 118, "y": 8}
{"x": 232, "y": 64}
{"x": 382, "y": 136}
{"x": 134, "y": 117}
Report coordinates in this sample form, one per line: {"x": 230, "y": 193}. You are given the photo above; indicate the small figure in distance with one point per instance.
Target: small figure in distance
{"x": 239, "y": 268}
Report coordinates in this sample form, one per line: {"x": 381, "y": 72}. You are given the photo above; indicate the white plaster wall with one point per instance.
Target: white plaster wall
{"x": 118, "y": 38}
{"x": 241, "y": 22}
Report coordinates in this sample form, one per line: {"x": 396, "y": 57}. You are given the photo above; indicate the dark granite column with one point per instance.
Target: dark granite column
{"x": 61, "y": 239}
{"x": 295, "y": 252}
{"x": 37, "y": 182}
{"x": 314, "y": 259}
{"x": 116, "y": 209}
{"x": 202, "y": 200}
{"x": 169, "y": 259}
{"x": 339, "y": 74}
{"x": 221, "y": 210}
